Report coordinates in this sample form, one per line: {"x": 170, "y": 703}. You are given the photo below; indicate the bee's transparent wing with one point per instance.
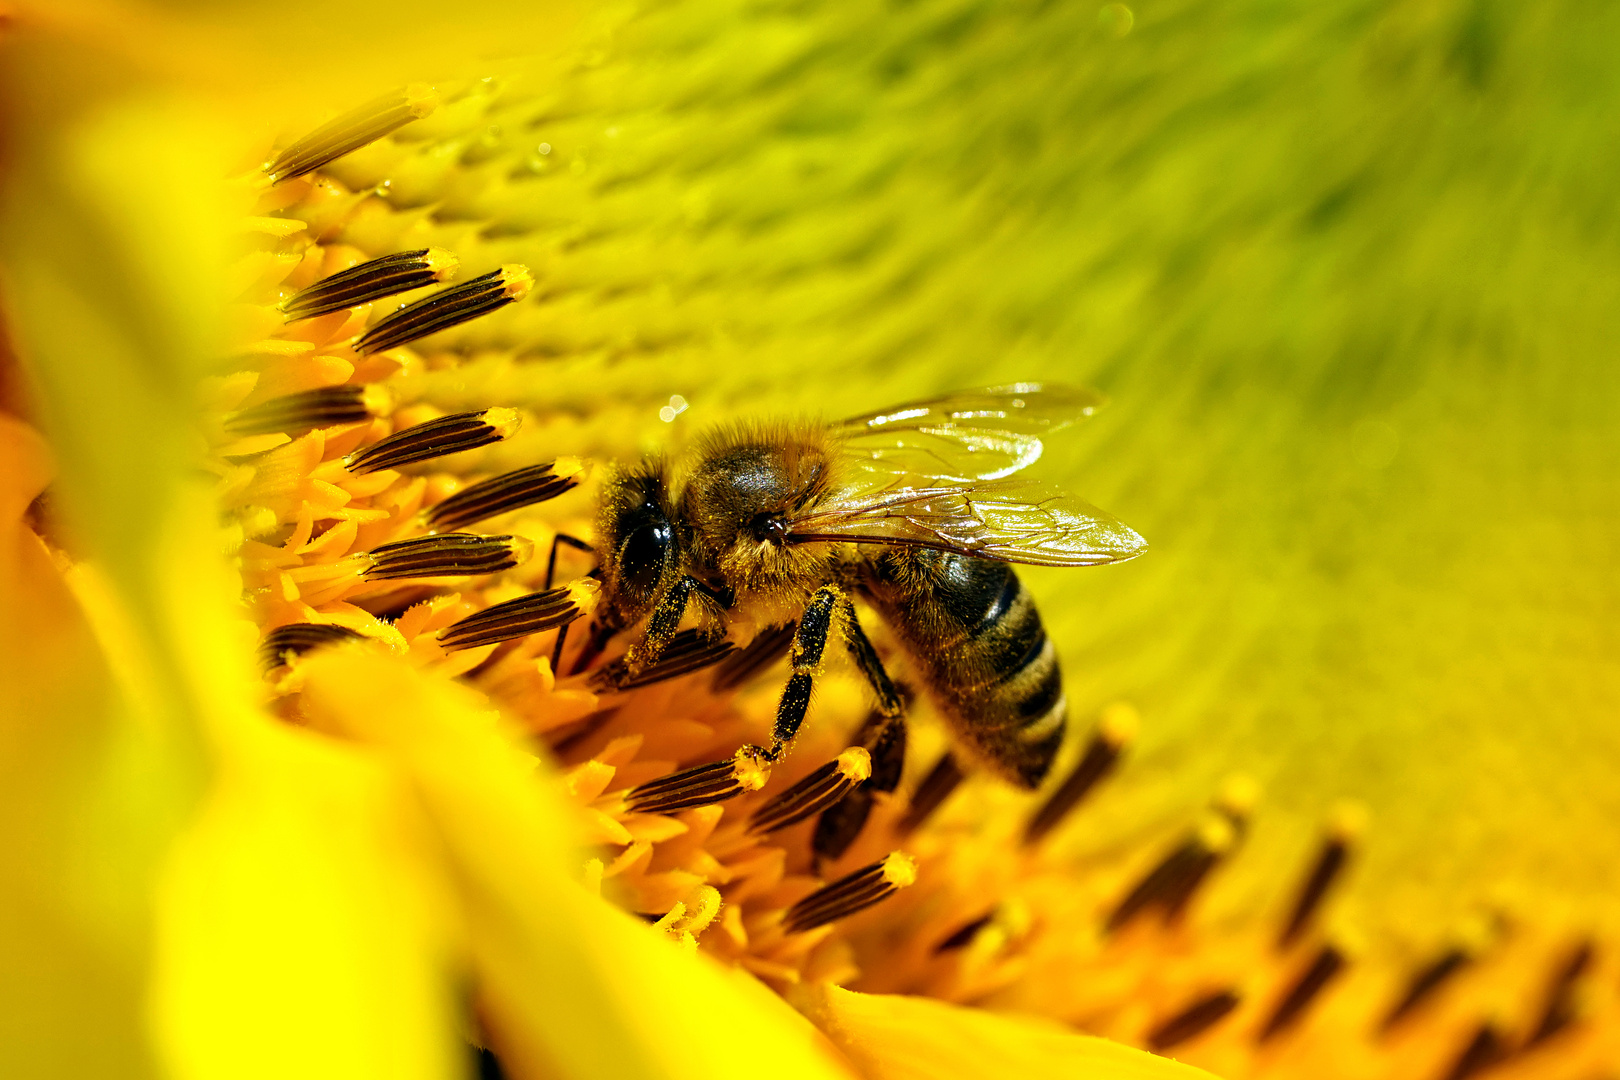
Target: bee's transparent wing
{"x": 983, "y": 434}
{"x": 1017, "y": 521}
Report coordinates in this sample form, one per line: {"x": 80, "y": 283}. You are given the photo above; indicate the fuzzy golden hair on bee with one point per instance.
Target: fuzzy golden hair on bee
{"x": 746, "y": 484}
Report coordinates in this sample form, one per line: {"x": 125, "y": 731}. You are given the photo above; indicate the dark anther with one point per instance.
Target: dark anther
{"x": 1312, "y": 981}
{"x": 1194, "y": 1020}
{"x": 935, "y": 788}
{"x": 532, "y": 614}
{"x": 821, "y": 789}
{"x": 370, "y": 281}
{"x": 503, "y": 493}
{"x": 840, "y": 825}
{"x": 1560, "y": 1006}
{"x": 1424, "y": 983}
{"x": 767, "y": 648}
{"x": 1347, "y": 824}
{"x": 447, "y": 435}
{"x": 688, "y": 651}
{"x": 1485, "y": 1049}
{"x": 1102, "y": 753}
{"x": 295, "y": 414}
{"x": 850, "y": 894}
{"x": 296, "y": 639}
{"x": 446, "y": 308}
{"x": 702, "y": 785}
{"x": 446, "y": 555}
{"x": 353, "y": 130}
{"x": 964, "y": 934}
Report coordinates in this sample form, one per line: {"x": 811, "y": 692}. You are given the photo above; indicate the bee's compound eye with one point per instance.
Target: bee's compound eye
{"x": 642, "y": 555}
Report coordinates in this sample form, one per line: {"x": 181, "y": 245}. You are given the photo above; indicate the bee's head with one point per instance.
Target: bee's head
{"x": 638, "y": 544}
{"x": 737, "y": 504}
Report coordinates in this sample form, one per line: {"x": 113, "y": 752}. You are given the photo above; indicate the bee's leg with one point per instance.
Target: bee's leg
{"x": 551, "y": 570}
{"x": 666, "y": 619}
{"x": 871, "y": 665}
{"x": 562, "y": 540}
{"x": 809, "y": 643}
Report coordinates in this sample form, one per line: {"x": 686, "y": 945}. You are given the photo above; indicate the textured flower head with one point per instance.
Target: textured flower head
{"x": 285, "y": 720}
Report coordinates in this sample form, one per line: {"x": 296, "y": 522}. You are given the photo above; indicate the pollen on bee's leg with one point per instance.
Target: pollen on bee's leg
{"x": 1345, "y": 827}
{"x": 296, "y": 639}
{"x": 853, "y": 893}
{"x": 448, "y": 307}
{"x": 1485, "y": 1048}
{"x": 1194, "y": 1020}
{"x": 1562, "y": 1004}
{"x": 373, "y": 280}
{"x": 699, "y": 786}
{"x": 1322, "y": 970}
{"x": 446, "y": 555}
{"x": 935, "y": 788}
{"x": 1115, "y": 731}
{"x": 532, "y": 614}
{"x": 295, "y": 414}
{"x": 815, "y": 792}
{"x": 352, "y": 130}
{"x": 435, "y": 438}
{"x": 508, "y": 491}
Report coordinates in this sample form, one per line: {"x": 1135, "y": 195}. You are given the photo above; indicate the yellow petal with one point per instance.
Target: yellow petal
{"x": 567, "y": 984}
{"x": 89, "y": 796}
{"x": 303, "y": 926}
{"x": 895, "y": 1037}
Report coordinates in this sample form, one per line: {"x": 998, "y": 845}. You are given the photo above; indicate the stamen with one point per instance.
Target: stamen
{"x": 353, "y": 130}
{"x": 699, "y": 786}
{"x": 447, "y": 308}
{"x": 370, "y": 281}
{"x": 1115, "y": 730}
{"x": 815, "y": 792}
{"x": 295, "y": 639}
{"x": 964, "y": 934}
{"x": 1171, "y": 883}
{"x": 1194, "y": 1020}
{"x": 1562, "y": 1002}
{"x": 298, "y": 413}
{"x": 447, "y": 555}
{"x": 848, "y": 895}
{"x": 1473, "y": 937}
{"x": 1327, "y": 964}
{"x": 1424, "y": 983}
{"x": 1485, "y": 1049}
{"x": 532, "y": 614}
{"x": 687, "y": 651}
{"x": 508, "y": 491}
{"x": 1346, "y": 826}
{"x": 935, "y": 788}
{"x": 447, "y": 435}
{"x": 767, "y": 648}
{"x": 885, "y": 738}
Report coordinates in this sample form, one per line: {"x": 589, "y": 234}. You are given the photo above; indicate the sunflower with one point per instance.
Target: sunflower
{"x": 335, "y": 321}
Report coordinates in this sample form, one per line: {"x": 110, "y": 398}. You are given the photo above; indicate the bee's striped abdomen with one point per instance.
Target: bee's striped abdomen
{"x": 973, "y": 628}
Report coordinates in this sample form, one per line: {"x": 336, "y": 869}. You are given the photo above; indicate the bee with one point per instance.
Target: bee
{"x": 916, "y": 511}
